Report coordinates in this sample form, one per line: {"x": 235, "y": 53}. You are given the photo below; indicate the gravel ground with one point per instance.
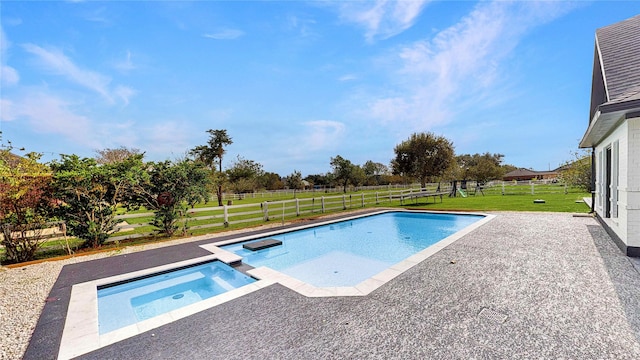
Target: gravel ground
{"x": 32, "y": 284}
{"x": 526, "y": 285}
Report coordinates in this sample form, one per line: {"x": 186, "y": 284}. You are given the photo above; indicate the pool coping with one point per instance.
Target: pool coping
{"x": 81, "y": 334}
{"x": 363, "y": 288}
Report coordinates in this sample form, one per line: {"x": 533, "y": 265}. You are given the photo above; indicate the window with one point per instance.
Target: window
{"x": 600, "y": 178}
{"x": 614, "y": 178}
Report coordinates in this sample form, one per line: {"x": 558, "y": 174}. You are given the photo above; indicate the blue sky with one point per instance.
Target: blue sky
{"x": 295, "y": 83}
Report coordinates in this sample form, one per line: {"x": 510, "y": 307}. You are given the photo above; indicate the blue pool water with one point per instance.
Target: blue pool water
{"x": 126, "y": 304}
{"x": 349, "y": 252}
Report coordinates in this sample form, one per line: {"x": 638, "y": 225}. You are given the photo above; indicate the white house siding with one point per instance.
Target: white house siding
{"x": 626, "y": 222}
{"x": 632, "y": 188}
{"x": 617, "y": 224}
{"x": 615, "y": 94}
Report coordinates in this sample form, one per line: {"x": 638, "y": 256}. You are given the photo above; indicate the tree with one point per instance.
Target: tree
{"x": 358, "y": 177}
{"x": 320, "y": 179}
{"x": 270, "y": 181}
{"x": 243, "y": 175}
{"x": 294, "y": 181}
{"x": 423, "y": 156}
{"x": 89, "y": 193}
{"x": 393, "y": 179}
{"x": 25, "y": 203}
{"x": 173, "y": 188}
{"x": 208, "y": 154}
{"x": 577, "y": 172}
{"x": 110, "y": 156}
{"x": 373, "y": 171}
{"x": 480, "y": 167}
{"x": 344, "y": 171}
{"x": 507, "y": 168}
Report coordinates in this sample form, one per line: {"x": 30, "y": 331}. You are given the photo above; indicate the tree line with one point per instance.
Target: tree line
{"x": 85, "y": 194}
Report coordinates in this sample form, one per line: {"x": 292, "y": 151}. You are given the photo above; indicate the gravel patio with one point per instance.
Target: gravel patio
{"x": 525, "y": 285}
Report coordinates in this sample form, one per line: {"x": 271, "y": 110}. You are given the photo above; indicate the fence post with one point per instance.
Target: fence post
{"x": 265, "y": 210}
{"x": 297, "y": 207}
{"x": 503, "y": 188}
{"x": 226, "y": 216}
{"x": 344, "y": 202}
{"x": 322, "y": 199}
{"x": 362, "y": 199}
{"x": 390, "y": 198}
{"x": 532, "y": 189}
{"x": 377, "y": 202}
{"x": 566, "y": 191}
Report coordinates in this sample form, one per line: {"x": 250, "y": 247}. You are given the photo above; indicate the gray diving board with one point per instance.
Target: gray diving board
{"x": 262, "y": 244}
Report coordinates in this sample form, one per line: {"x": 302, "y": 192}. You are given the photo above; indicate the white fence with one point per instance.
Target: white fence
{"x": 318, "y": 190}
{"x": 223, "y": 216}
{"x": 279, "y": 210}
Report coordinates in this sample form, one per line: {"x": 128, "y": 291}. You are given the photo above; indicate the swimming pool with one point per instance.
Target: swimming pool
{"x": 132, "y": 301}
{"x": 81, "y": 332}
{"x": 144, "y": 300}
{"x": 346, "y": 253}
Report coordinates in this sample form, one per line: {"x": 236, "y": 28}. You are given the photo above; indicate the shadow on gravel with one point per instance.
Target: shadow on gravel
{"x": 623, "y": 274}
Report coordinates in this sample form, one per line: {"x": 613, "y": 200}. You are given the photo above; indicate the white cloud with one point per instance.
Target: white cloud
{"x": 124, "y": 93}
{"x": 8, "y": 75}
{"x": 98, "y": 15}
{"x": 303, "y": 25}
{"x": 165, "y": 137}
{"x": 11, "y": 21}
{"x": 116, "y": 134}
{"x": 460, "y": 66}
{"x": 7, "y": 113}
{"x": 125, "y": 65}
{"x": 381, "y": 19}
{"x": 48, "y": 113}
{"x": 57, "y": 62}
{"x": 322, "y": 134}
{"x": 225, "y": 34}
{"x": 4, "y": 42}
{"x": 315, "y": 142}
{"x": 347, "y": 77}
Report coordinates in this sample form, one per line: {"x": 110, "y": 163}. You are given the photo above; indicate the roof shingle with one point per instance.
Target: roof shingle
{"x": 619, "y": 46}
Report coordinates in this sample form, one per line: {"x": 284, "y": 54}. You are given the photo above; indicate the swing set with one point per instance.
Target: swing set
{"x": 463, "y": 190}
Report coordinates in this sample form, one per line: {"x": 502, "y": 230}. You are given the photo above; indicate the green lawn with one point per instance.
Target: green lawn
{"x": 522, "y": 200}
{"x": 554, "y": 202}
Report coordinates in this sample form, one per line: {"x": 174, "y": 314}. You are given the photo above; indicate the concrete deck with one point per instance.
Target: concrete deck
{"x": 525, "y": 285}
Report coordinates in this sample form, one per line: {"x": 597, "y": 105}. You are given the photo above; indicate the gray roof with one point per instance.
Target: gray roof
{"x": 527, "y": 172}
{"x": 615, "y": 91}
{"x": 619, "y": 46}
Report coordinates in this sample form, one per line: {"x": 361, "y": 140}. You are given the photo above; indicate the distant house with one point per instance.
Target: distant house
{"x": 523, "y": 174}
{"x": 613, "y": 133}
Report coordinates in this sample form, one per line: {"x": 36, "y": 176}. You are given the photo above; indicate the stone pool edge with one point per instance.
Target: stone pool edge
{"x": 81, "y": 334}
{"x": 365, "y": 287}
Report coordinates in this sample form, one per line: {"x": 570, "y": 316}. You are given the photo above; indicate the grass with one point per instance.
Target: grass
{"x": 514, "y": 200}
{"x": 554, "y": 202}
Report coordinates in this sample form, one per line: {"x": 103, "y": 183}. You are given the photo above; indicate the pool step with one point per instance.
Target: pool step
{"x": 262, "y": 244}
